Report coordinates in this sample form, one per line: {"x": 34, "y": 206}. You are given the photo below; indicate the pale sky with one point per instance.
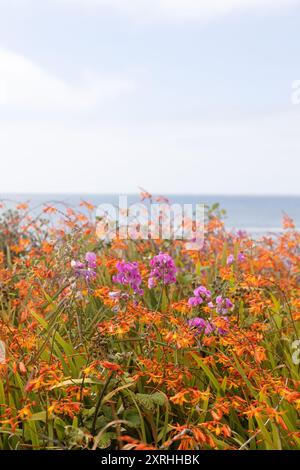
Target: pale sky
{"x": 176, "y": 96}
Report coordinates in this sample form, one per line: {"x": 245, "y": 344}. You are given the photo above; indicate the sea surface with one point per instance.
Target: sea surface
{"x": 255, "y": 214}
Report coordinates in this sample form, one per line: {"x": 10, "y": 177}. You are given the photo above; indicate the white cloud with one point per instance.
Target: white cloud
{"x": 181, "y": 9}
{"x": 26, "y": 85}
{"x": 257, "y": 155}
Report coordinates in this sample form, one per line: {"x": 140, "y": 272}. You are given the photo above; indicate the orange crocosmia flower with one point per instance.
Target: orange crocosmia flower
{"x": 279, "y": 420}
{"x": 22, "y": 368}
{"x": 134, "y": 444}
{"x": 23, "y": 244}
{"x": 64, "y": 406}
{"x": 179, "y": 398}
{"x": 209, "y": 340}
{"x": 111, "y": 366}
{"x": 216, "y": 414}
{"x": 214, "y": 224}
{"x": 50, "y": 210}
{"x": 191, "y": 437}
{"x": 47, "y": 377}
{"x": 181, "y": 340}
{"x": 259, "y": 354}
{"x": 82, "y": 218}
{"x": 88, "y": 205}
{"x": 91, "y": 368}
{"x": 191, "y": 395}
{"x": 47, "y": 248}
{"x": 118, "y": 244}
{"x": 287, "y": 222}
{"x": 221, "y": 323}
{"x": 296, "y": 316}
{"x": 24, "y": 412}
{"x": 145, "y": 194}
{"x": 23, "y": 287}
{"x": 254, "y": 412}
{"x": 22, "y": 207}
{"x": 101, "y": 292}
{"x": 70, "y": 212}
{"x": 181, "y": 307}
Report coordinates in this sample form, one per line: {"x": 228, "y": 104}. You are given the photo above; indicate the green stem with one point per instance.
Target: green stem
{"x": 100, "y": 398}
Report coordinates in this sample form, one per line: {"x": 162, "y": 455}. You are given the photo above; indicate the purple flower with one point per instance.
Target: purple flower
{"x": 200, "y": 295}
{"x": 240, "y": 257}
{"x": 163, "y": 269}
{"x": 87, "y": 269}
{"x": 206, "y": 327}
{"x": 197, "y": 322}
{"x": 91, "y": 259}
{"x": 201, "y": 325}
{"x": 129, "y": 275}
{"x": 230, "y": 260}
{"x": 242, "y": 233}
{"x": 221, "y": 331}
{"x": 194, "y": 301}
{"x": 223, "y": 305}
{"x": 77, "y": 265}
{"x": 202, "y": 292}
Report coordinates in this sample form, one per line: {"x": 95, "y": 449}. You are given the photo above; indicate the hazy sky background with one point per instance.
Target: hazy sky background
{"x": 182, "y": 96}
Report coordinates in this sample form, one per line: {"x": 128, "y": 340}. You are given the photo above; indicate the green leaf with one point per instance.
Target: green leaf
{"x": 207, "y": 372}
{"x": 104, "y": 441}
{"x": 41, "y": 416}
{"x": 145, "y": 401}
{"x": 159, "y": 398}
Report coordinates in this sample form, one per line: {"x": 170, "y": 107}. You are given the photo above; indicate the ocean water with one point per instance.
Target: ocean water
{"x": 256, "y": 214}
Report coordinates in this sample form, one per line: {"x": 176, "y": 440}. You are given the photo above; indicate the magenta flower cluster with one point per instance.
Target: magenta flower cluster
{"x": 223, "y": 305}
{"x": 163, "y": 270}
{"x": 240, "y": 258}
{"x": 129, "y": 275}
{"x": 201, "y": 294}
{"x": 205, "y": 327}
{"x": 87, "y": 270}
{"x": 201, "y": 325}
{"x": 230, "y": 260}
